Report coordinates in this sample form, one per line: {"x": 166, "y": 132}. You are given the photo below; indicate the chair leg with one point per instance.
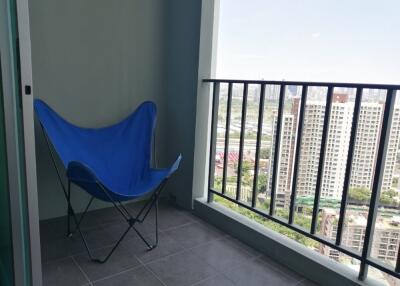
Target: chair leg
{"x": 105, "y": 259}
{"x": 128, "y": 217}
{"x": 83, "y": 215}
{"x": 69, "y": 234}
{"x": 156, "y": 209}
{"x": 153, "y": 202}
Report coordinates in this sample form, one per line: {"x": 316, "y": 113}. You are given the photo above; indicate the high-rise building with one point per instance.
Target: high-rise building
{"x": 336, "y": 149}
{"x": 367, "y": 140}
{"x": 340, "y": 123}
{"x": 392, "y": 153}
{"x": 386, "y": 235}
{"x": 285, "y": 159}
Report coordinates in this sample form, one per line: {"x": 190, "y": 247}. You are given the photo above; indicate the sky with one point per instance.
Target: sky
{"x": 310, "y": 40}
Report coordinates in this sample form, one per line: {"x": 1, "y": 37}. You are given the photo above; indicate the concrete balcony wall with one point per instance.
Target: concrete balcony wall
{"x": 184, "y": 19}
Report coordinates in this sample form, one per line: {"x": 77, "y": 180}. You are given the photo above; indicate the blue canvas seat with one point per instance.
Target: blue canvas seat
{"x": 112, "y": 163}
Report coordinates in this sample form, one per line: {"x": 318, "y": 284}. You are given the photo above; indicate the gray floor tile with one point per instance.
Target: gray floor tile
{"x": 194, "y": 234}
{"x": 105, "y": 216}
{"x": 195, "y": 218}
{"x": 190, "y": 252}
{"x": 169, "y": 216}
{"x": 97, "y": 237}
{"x": 173, "y": 218}
{"x": 307, "y": 282}
{"x": 281, "y": 268}
{"x": 252, "y": 251}
{"x": 89, "y": 221}
{"x": 63, "y": 272}
{"x": 122, "y": 259}
{"x": 53, "y": 229}
{"x": 181, "y": 269}
{"x": 222, "y": 254}
{"x": 137, "y": 276}
{"x": 166, "y": 246}
{"x": 218, "y": 280}
{"x": 116, "y": 229}
{"x": 257, "y": 272}
{"x": 67, "y": 246}
{"x": 61, "y": 248}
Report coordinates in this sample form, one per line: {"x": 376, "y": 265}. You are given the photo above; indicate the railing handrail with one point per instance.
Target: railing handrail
{"x": 307, "y": 83}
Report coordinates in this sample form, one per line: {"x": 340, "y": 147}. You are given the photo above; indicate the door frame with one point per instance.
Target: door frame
{"x": 20, "y": 141}
{"x": 29, "y": 139}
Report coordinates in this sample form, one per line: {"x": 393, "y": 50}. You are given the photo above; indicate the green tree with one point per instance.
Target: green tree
{"x": 265, "y": 153}
{"x": 363, "y": 195}
{"x": 262, "y": 183}
{"x": 360, "y": 195}
{"x": 388, "y": 198}
{"x": 247, "y": 177}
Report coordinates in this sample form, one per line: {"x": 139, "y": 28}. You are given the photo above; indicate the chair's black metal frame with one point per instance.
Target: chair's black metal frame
{"x": 130, "y": 219}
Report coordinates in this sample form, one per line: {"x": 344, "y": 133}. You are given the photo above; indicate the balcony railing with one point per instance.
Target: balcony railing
{"x": 377, "y": 178}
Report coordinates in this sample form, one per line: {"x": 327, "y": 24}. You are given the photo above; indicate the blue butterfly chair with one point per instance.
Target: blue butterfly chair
{"x": 112, "y": 164}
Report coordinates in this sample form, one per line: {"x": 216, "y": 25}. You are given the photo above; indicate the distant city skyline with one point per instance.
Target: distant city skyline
{"x": 310, "y": 40}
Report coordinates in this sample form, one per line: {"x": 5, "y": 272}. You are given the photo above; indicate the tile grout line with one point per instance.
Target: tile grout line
{"x": 282, "y": 271}
{"x": 179, "y": 226}
{"x": 80, "y": 269}
{"x": 236, "y": 247}
{"x": 300, "y": 281}
{"x": 55, "y": 260}
{"x": 161, "y": 258}
{"x": 151, "y": 271}
{"x": 221, "y": 272}
{"x": 217, "y": 272}
{"x": 116, "y": 274}
{"x": 204, "y": 243}
{"x": 184, "y": 249}
{"x": 205, "y": 279}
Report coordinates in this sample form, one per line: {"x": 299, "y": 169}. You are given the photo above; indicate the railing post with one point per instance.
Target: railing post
{"x": 347, "y": 177}
{"x": 277, "y": 149}
{"x": 321, "y": 163}
{"x": 214, "y": 126}
{"x": 227, "y": 127}
{"x": 241, "y": 144}
{"x": 298, "y": 152}
{"x": 378, "y": 179}
{"x": 258, "y": 144}
{"x": 398, "y": 260}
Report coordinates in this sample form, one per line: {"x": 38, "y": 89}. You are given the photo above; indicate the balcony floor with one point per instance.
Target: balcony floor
{"x": 190, "y": 252}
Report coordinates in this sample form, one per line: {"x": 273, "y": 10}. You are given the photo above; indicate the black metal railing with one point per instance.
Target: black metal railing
{"x": 365, "y": 256}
